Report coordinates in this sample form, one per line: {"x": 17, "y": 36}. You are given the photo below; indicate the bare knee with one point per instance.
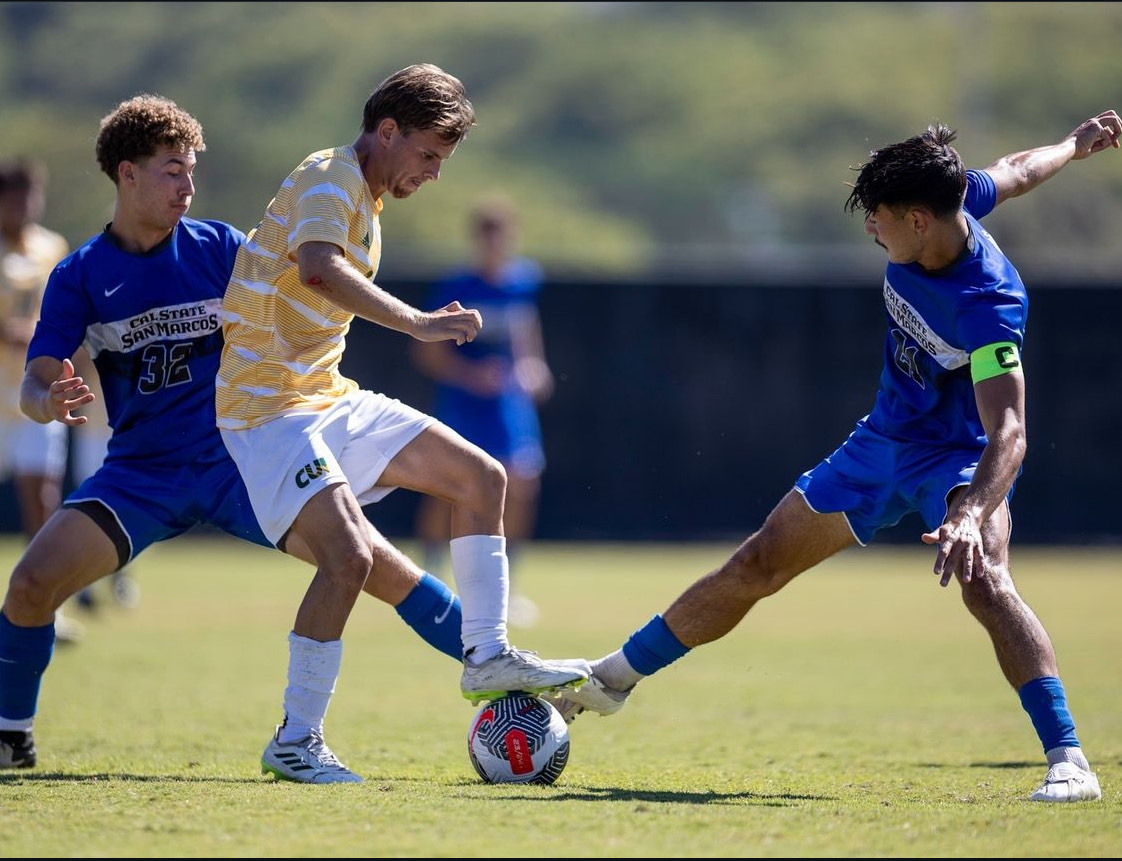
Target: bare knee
{"x": 986, "y": 597}
{"x": 32, "y": 595}
{"x": 349, "y": 573}
{"x": 484, "y": 487}
{"x": 752, "y": 571}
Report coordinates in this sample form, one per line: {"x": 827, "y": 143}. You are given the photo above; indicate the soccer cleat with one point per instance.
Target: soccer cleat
{"x": 17, "y": 749}
{"x": 308, "y": 760}
{"x": 515, "y": 670}
{"x": 594, "y": 696}
{"x": 1068, "y": 782}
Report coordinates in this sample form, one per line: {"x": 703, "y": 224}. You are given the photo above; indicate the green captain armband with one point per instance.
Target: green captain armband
{"x": 994, "y": 360}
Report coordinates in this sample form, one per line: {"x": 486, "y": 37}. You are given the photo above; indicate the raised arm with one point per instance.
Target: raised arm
{"x": 1018, "y": 173}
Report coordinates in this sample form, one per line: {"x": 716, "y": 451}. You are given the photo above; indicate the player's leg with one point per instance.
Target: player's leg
{"x": 1027, "y": 659}
{"x": 69, "y": 552}
{"x": 792, "y": 539}
{"x": 298, "y": 490}
{"x": 424, "y": 602}
{"x": 439, "y": 462}
{"x": 38, "y": 457}
{"x": 331, "y": 525}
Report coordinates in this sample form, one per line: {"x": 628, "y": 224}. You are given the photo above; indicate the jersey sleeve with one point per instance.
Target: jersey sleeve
{"x": 990, "y": 317}
{"x": 981, "y": 193}
{"x": 64, "y": 316}
{"x": 325, "y": 195}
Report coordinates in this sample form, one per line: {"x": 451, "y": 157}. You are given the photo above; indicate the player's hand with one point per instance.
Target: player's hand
{"x": 1096, "y": 134}
{"x": 960, "y": 549}
{"x": 453, "y": 322}
{"x": 67, "y": 393}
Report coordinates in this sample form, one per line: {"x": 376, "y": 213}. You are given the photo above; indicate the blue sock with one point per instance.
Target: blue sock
{"x": 1046, "y": 704}
{"x": 653, "y": 647}
{"x": 24, "y": 655}
{"x": 433, "y": 611}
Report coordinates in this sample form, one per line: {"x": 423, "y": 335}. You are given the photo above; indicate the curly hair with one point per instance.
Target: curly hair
{"x": 924, "y": 170}
{"x": 140, "y": 126}
{"x": 422, "y": 97}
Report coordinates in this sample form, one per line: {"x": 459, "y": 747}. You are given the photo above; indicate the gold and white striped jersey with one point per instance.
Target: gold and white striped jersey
{"x": 284, "y": 340}
{"x": 24, "y": 271}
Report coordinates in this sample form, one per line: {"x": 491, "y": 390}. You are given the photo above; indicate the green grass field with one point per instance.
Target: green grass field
{"x": 860, "y": 713}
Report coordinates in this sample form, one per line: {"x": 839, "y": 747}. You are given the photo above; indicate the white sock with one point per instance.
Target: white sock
{"x": 1074, "y": 755}
{"x": 21, "y": 725}
{"x": 482, "y": 574}
{"x": 313, "y": 668}
{"x": 614, "y": 671}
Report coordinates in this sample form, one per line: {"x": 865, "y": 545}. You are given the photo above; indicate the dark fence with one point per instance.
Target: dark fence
{"x": 685, "y": 411}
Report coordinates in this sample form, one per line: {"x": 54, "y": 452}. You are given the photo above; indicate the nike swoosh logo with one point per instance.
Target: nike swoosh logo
{"x": 115, "y": 289}
{"x": 7, "y": 661}
{"x": 444, "y": 615}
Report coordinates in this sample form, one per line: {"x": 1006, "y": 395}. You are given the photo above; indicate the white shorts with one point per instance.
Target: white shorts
{"x": 288, "y": 460}
{"x": 29, "y": 448}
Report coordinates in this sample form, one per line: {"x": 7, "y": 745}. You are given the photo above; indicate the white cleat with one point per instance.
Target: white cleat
{"x": 515, "y": 670}
{"x": 308, "y": 760}
{"x": 593, "y": 696}
{"x": 1068, "y": 782}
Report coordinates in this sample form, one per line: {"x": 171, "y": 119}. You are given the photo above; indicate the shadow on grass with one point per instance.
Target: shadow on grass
{"x": 23, "y": 775}
{"x": 653, "y": 796}
{"x": 986, "y": 765}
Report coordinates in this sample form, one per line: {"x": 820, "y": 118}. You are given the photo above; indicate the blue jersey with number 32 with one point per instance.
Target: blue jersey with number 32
{"x": 152, "y": 324}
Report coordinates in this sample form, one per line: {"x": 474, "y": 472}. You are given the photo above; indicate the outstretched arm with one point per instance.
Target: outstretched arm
{"x": 1018, "y": 173}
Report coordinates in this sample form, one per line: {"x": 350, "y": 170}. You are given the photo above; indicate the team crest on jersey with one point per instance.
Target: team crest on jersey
{"x": 306, "y": 474}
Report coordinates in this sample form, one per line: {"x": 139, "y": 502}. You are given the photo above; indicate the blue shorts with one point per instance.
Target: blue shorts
{"x": 875, "y": 481}
{"x": 138, "y": 503}
{"x": 506, "y": 427}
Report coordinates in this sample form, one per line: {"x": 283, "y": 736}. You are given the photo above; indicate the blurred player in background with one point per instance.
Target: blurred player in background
{"x": 145, "y": 295}
{"x": 489, "y": 390}
{"x": 946, "y": 437}
{"x": 89, "y": 444}
{"x": 313, "y": 448}
{"x": 33, "y": 454}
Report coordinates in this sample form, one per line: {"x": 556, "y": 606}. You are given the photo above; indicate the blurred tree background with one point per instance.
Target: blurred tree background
{"x": 708, "y": 141}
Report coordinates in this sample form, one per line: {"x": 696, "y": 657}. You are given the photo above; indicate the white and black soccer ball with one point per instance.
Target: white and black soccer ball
{"x": 518, "y": 738}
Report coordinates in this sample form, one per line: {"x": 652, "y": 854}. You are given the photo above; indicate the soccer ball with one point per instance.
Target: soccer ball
{"x": 518, "y": 738}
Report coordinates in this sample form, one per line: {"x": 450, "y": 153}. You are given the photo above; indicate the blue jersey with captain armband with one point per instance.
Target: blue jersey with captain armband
{"x": 935, "y": 321}
{"x": 152, "y": 324}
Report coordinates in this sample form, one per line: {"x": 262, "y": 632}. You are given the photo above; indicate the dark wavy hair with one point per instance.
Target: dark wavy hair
{"x": 140, "y": 126}
{"x": 924, "y": 170}
{"x": 422, "y": 97}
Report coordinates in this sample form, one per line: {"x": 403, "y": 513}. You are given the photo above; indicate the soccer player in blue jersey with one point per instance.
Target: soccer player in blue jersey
{"x": 488, "y": 390}
{"x": 143, "y": 296}
{"x": 945, "y": 438}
